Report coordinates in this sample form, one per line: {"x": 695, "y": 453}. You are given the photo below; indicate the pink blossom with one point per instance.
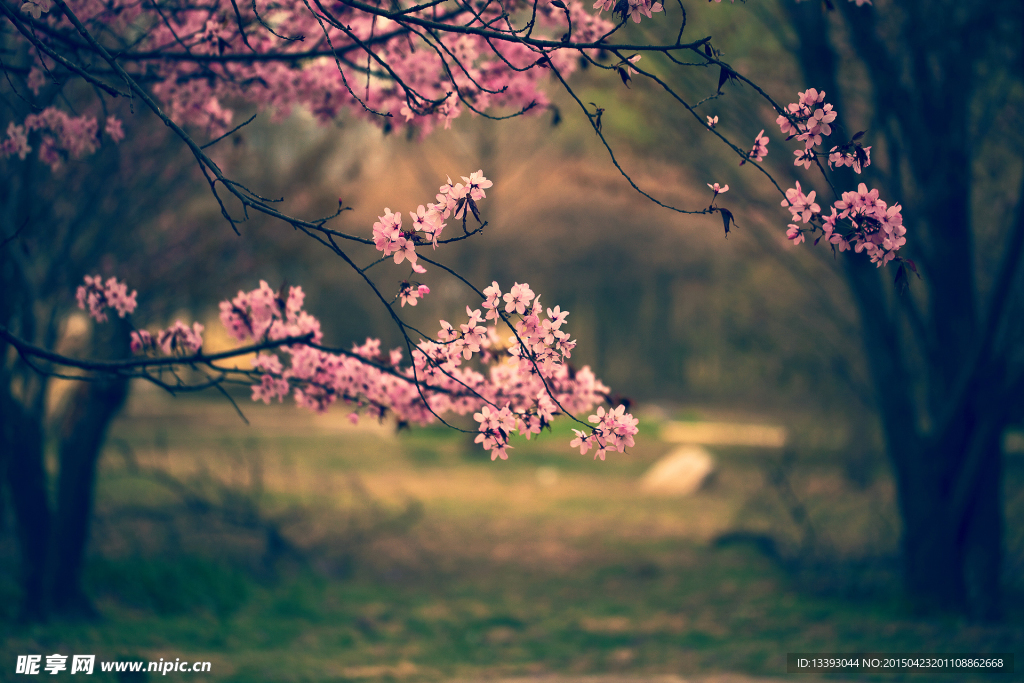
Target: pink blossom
{"x": 853, "y": 156}
{"x": 410, "y": 294}
{"x": 476, "y": 183}
{"x": 808, "y": 120}
{"x": 180, "y": 339}
{"x": 795, "y": 234}
{"x": 800, "y": 205}
{"x": 141, "y": 340}
{"x": 114, "y": 129}
{"x": 760, "y": 149}
{"x": 518, "y": 298}
{"x": 877, "y": 228}
{"x": 96, "y": 297}
{"x": 36, "y": 8}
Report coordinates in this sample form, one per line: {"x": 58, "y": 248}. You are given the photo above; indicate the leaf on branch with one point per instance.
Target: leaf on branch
{"x": 901, "y": 281}
{"x": 727, "y": 218}
{"x": 858, "y": 136}
{"x": 622, "y": 9}
{"x": 862, "y": 156}
{"x": 596, "y": 118}
{"x": 558, "y": 3}
{"x": 726, "y": 74}
{"x": 476, "y": 211}
{"x": 624, "y": 75}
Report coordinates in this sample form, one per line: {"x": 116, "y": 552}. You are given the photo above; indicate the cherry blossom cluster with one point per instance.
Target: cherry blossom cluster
{"x": 877, "y": 228}
{"x": 517, "y": 385}
{"x": 363, "y": 62}
{"x": 453, "y": 200}
{"x": 61, "y": 136}
{"x": 178, "y": 339}
{"x": 629, "y": 9}
{"x": 614, "y": 431}
{"x": 808, "y": 120}
{"x": 263, "y": 314}
{"x": 871, "y": 225}
{"x": 859, "y": 220}
{"x": 96, "y": 296}
{"x": 852, "y": 154}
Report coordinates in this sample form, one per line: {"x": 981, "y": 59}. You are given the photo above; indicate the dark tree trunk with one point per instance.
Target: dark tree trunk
{"x": 947, "y": 459}
{"x": 52, "y": 539}
{"x": 82, "y": 433}
{"x": 25, "y": 475}
{"x": 953, "y": 525}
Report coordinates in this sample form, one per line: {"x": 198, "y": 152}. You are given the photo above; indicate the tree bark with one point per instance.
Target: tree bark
{"x": 25, "y": 474}
{"x": 82, "y": 434}
{"x": 952, "y": 508}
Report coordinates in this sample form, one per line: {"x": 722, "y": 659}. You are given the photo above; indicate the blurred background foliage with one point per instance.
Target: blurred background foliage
{"x": 299, "y": 548}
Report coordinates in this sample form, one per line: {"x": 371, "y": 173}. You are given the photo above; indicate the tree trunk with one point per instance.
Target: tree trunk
{"x": 951, "y": 503}
{"x": 52, "y": 542}
{"x": 82, "y": 433}
{"x": 25, "y": 474}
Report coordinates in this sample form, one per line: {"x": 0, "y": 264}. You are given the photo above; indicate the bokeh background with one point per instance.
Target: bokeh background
{"x": 296, "y": 547}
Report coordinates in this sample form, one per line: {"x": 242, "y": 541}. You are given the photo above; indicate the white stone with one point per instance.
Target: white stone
{"x": 679, "y": 473}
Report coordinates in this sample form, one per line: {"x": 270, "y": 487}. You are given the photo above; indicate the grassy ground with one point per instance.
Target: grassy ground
{"x": 303, "y": 549}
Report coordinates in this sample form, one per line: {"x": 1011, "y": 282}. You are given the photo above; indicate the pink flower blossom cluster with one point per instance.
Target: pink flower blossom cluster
{"x": 801, "y": 206}
{"x": 517, "y": 385}
{"x": 96, "y": 297}
{"x": 860, "y": 220}
{"x": 877, "y": 228}
{"x": 853, "y": 155}
{"x": 808, "y": 120}
{"x": 614, "y": 431}
{"x": 869, "y": 224}
{"x": 62, "y": 136}
{"x": 178, "y": 339}
{"x": 420, "y": 78}
{"x": 630, "y": 9}
{"x": 453, "y": 199}
{"x": 263, "y": 315}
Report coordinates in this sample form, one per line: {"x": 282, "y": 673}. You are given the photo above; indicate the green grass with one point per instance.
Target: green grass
{"x": 493, "y": 571}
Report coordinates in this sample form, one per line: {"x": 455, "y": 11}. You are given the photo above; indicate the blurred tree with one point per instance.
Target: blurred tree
{"x": 944, "y": 85}
{"x": 55, "y": 233}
